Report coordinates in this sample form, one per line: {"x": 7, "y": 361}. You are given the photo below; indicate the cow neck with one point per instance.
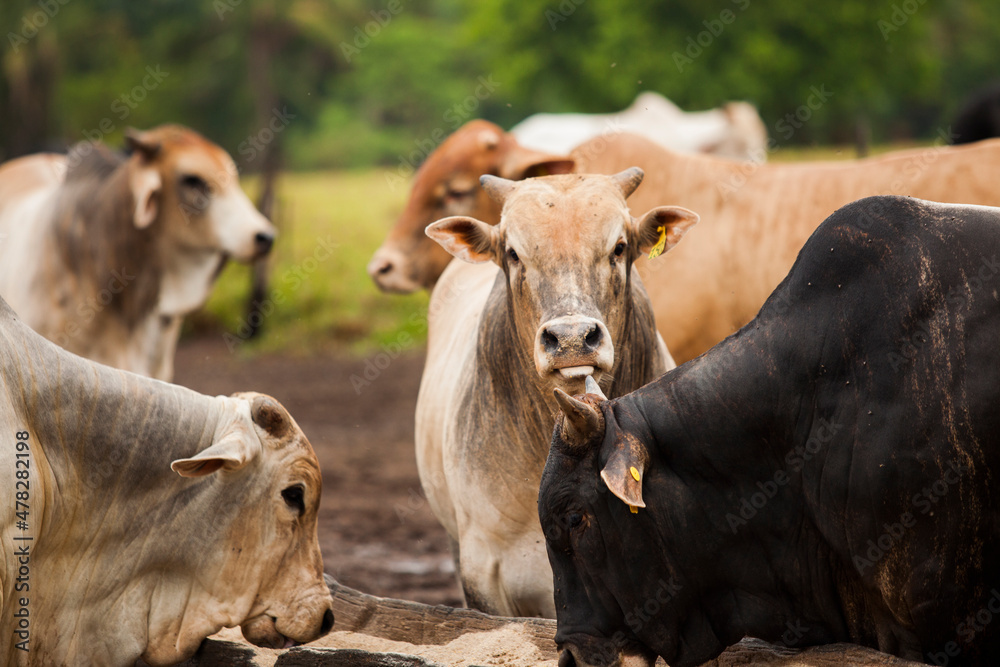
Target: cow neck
{"x": 103, "y": 432}
{"x": 723, "y": 425}
{"x": 97, "y": 240}
{"x": 637, "y": 356}
{"x": 510, "y": 389}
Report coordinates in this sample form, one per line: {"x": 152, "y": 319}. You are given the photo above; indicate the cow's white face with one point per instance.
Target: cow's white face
{"x": 270, "y": 546}
{"x": 191, "y": 187}
{"x": 566, "y": 245}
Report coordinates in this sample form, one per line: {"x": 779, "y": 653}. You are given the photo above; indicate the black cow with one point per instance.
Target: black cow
{"x": 823, "y": 475}
{"x": 979, "y": 117}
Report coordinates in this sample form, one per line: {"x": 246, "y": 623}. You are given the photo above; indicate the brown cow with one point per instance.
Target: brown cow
{"x": 755, "y": 218}
{"x": 104, "y": 254}
{"x": 448, "y": 184}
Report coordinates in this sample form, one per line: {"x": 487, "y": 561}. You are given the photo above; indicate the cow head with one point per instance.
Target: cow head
{"x": 566, "y": 245}
{"x": 190, "y": 188}
{"x": 623, "y": 589}
{"x": 447, "y": 184}
{"x": 264, "y": 471}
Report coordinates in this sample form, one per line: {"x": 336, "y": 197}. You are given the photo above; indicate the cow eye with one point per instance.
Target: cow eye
{"x": 619, "y": 249}
{"x": 295, "y": 498}
{"x": 457, "y": 194}
{"x": 574, "y": 519}
{"x": 197, "y": 183}
{"x": 513, "y": 255}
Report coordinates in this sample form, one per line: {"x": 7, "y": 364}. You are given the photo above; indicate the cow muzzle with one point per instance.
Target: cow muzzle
{"x": 303, "y": 623}
{"x": 386, "y": 271}
{"x": 569, "y": 348}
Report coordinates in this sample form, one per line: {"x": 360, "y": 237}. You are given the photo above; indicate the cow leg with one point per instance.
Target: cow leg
{"x": 507, "y": 580}
{"x": 456, "y": 559}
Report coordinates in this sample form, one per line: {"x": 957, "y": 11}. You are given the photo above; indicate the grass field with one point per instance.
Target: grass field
{"x": 320, "y": 295}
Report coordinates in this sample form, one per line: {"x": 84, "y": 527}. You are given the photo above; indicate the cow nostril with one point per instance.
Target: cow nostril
{"x": 566, "y": 659}
{"x": 263, "y": 242}
{"x": 549, "y": 342}
{"x": 384, "y": 268}
{"x": 327, "y": 622}
{"x": 594, "y": 337}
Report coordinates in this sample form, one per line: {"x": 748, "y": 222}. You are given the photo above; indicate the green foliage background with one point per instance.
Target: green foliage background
{"x": 366, "y": 78}
{"x": 368, "y": 87}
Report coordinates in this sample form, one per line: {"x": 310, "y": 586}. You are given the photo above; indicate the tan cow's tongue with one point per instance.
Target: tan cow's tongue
{"x": 574, "y": 372}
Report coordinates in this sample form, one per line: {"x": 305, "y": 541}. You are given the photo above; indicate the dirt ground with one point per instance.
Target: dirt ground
{"x": 376, "y": 530}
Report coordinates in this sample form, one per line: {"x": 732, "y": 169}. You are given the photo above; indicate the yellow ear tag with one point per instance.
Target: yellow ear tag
{"x": 657, "y": 249}
{"x": 633, "y": 509}
{"x": 635, "y": 473}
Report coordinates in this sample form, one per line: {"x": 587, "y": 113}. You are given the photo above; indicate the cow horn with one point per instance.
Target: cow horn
{"x": 142, "y": 143}
{"x": 497, "y": 188}
{"x": 629, "y": 180}
{"x": 591, "y": 387}
{"x": 581, "y": 420}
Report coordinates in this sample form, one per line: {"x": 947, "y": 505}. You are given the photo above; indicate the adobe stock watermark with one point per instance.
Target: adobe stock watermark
{"x": 894, "y": 532}
{"x": 899, "y": 17}
{"x": 454, "y": 116}
{"x": 958, "y": 297}
{"x": 94, "y": 305}
{"x": 363, "y": 35}
{"x": 254, "y": 144}
{"x": 795, "y": 460}
{"x": 444, "y": 296}
{"x": 565, "y": 9}
{"x": 967, "y": 630}
{"x": 714, "y": 28}
{"x": 786, "y": 127}
{"x": 122, "y": 108}
{"x": 293, "y": 278}
{"x": 33, "y": 21}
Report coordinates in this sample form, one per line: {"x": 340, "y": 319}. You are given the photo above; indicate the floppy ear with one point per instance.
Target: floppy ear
{"x": 581, "y": 419}
{"x": 465, "y": 238}
{"x": 520, "y": 163}
{"x": 231, "y": 449}
{"x": 623, "y": 472}
{"x": 144, "y": 178}
{"x": 660, "y": 229}
{"x": 146, "y": 184}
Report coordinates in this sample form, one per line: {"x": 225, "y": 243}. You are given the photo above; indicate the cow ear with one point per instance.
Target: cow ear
{"x": 520, "y": 163}
{"x": 465, "y": 238}
{"x": 660, "y": 229}
{"x": 270, "y": 415}
{"x": 236, "y": 446}
{"x": 581, "y": 419}
{"x": 146, "y": 185}
{"x": 144, "y": 179}
{"x": 142, "y": 143}
{"x": 623, "y": 472}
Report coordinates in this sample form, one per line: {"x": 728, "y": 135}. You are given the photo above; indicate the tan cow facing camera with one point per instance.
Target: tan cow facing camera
{"x": 140, "y": 517}
{"x": 104, "y": 253}
{"x": 552, "y": 300}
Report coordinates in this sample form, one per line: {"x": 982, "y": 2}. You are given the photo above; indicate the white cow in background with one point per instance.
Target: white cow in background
{"x": 734, "y": 130}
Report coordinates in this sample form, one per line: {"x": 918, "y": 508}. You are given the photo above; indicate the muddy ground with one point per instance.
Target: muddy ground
{"x": 376, "y": 531}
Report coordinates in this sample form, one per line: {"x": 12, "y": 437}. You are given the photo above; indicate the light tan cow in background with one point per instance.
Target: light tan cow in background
{"x": 139, "y": 517}
{"x": 104, "y": 254}
{"x": 754, "y": 217}
{"x": 552, "y": 300}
